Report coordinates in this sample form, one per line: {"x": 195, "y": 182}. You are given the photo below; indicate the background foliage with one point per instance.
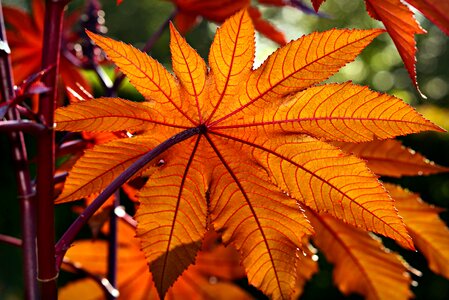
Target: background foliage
{"x": 379, "y": 67}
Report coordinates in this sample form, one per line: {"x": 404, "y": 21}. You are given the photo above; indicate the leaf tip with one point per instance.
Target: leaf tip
{"x": 171, "y": 26}
{"x": 91, "y": 35}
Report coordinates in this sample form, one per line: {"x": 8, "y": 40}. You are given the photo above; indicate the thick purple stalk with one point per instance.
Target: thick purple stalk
{"x": 25, "y": 191}
{"x": 69, "y": 236}
{"x": 47, "y": 269}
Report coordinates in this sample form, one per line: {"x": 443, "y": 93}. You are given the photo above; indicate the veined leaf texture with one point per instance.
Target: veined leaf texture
{"x": 265, "y": 169}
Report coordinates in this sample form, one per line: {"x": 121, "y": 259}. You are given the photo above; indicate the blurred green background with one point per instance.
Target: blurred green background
{"x": 379, "y": 67}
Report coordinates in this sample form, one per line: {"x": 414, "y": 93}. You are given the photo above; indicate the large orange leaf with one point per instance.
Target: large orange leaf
{"x": 362, "y": 265}
{"x": 429, "y": 232}
{"x": 391, "y": 158}
{"x": 248, "y": 180}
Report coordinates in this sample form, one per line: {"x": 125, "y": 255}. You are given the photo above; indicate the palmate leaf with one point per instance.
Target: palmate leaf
{"x": 262, "y": 140}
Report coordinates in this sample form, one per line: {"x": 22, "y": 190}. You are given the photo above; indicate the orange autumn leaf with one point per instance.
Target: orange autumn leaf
{"x": 134, "y": 282}
{"x": 261, "y": 141}
{"x": 25, "y": 39}
{"x": 429, "y": 232}
{"x": 362, "y": 265}
{"x": 391, "y": 158}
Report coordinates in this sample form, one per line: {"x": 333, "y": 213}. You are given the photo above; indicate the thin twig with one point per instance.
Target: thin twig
{"x": 23, "y": 126}
{"x": 10, "y": 240}
{"x": 26, "y": 194}
{"x": 120, "y": 212}
{"x": 69, "y": 236}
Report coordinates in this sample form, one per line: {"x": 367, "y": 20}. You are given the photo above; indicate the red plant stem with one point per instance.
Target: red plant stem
{"x": 69, "y": 236}
{"x": 47, "y": 269}
{"x": 113, "y": 245}
{"x": 26, "y": 194}
{"x": 148, "y": 45}
{"x": 23, "y": 126}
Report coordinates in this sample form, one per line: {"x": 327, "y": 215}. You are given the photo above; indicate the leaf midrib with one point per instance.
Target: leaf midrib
{"x": 230, "y": 69}
{"x": 181, "y": 189}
